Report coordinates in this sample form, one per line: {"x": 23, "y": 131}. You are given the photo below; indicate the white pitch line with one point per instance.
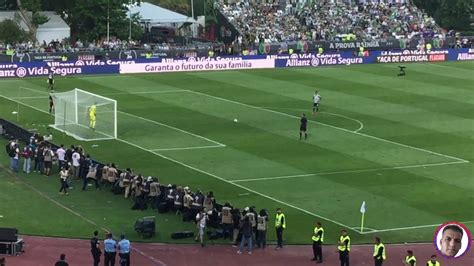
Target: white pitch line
{"x": 175, "y": 128}
{"x": 146, "y": 119}
{"x": 331, "y": 126}
{"x": 347, "y": 172}
{"x": 188, "y": 148}
{"x": 237, "y": 185}
{"x": 361, "y": 125}
{"x": 143, "y": 92}
{"x": 409, "y": 228}
{"x": 30, "y": 97}
{"x": 158, "y": 262}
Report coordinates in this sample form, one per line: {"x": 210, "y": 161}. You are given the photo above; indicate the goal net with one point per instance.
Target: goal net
{"x": 73, "y": 115}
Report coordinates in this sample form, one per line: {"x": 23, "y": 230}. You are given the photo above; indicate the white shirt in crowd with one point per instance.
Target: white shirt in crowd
{"x": 75, "y": 158}
{"x": 61, "y": 153}
{"x": 202, "y": 219}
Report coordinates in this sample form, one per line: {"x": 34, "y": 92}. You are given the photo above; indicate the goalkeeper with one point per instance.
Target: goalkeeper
{"x": 92, "y": 116}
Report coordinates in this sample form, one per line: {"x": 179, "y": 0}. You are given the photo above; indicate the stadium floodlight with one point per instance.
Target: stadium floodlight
{"x": 72, "y": 115}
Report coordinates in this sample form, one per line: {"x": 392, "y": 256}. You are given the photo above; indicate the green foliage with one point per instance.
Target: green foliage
{"x": 450, "y": 14}
{"x": 39, "y": 19}
{"x": 88, "y": 18}
{"x": 10, "y": 32}
{"x": 8, "y": 4}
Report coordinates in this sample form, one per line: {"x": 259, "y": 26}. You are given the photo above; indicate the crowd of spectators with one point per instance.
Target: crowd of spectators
{"x": 269, "y": 21}
{"x": 64, "y": 46}
{"x": 73, "y": 165}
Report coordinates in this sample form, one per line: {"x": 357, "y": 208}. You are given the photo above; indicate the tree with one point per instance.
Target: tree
{"x": 449, "y": 14}
{"x": 88, "y": 18}
{"x": 11, "y": 33}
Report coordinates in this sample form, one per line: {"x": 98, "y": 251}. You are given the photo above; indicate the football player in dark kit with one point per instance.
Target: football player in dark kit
{"x": 51, "y": 104}
{"x": 51, "y": 81}
{"x": 95, "y": 249}
{"x": 303, "y": 126}
{"x": 402, "y": 71}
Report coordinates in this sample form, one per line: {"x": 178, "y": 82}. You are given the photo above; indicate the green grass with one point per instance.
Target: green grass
{"x": 402, "y": 144}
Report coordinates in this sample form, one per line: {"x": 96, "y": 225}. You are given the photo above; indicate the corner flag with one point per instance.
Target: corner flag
{"x": 362, "y": 210}
{"x": 362, "y": 207}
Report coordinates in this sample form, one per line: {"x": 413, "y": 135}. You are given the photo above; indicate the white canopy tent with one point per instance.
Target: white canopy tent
{"x": 158, "y": 15}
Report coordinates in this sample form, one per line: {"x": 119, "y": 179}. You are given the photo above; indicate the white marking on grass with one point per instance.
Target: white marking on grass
{"x": 347, "y": 172}
{"x": 331, "y": 126}
{"x": 143, "y": 92}
{"x": 237, "y": 185}
{"x": 132, "y": 115}
{"x": 361, "y": 125}
{"x": 365, "y": 228}
{"x": 75, "y": 213}
{"x": 30, "y": 97}
{"x": 409, "y": 228}
{"x": 188, "y": 148}
{"x": 175, "y": 128}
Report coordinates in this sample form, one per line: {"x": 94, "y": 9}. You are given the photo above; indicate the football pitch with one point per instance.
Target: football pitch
{"x": 404, "y": 145}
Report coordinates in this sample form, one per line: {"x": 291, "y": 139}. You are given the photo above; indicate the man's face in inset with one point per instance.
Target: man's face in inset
{"x": 451, "y": 242}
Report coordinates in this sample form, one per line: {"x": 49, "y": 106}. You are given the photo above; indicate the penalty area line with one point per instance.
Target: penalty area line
{"x": 188, "y": 148}
{"x": 347, "y": 172}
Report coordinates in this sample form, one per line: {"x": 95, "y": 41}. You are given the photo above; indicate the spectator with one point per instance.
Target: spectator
{"x": 48, "y": 154}
{"x": 27, "y": 154}
{"x": 226, "y": 220}
{"x": 61, "y": 261}
{"x": 95, "y": 249}
{"x": 84, "y": 170}
{"x": 15, "y": 155}
{"x": 246, "y": 235}
{"x": 111, "y": 174}
{"x": 236, "y": 217}
{"x": 92, "y": 175}
{"x": 201, "y": 220}
{"x": 63, "y": 174}
{"x": 209, "y": 201}
{"x": 262, "y": 226}
{"x": 61, "y": 152}
{"x": 76, "y": 157}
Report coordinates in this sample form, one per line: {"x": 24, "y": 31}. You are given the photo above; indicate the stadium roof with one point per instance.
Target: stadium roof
{"x": 156, "y": 14}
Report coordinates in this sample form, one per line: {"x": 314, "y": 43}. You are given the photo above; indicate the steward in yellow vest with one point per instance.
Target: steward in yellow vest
{"x": 379, "y": 252}
{"x": 433, "y": 261}
{"x": 318, "y": 238}
{"x": 344, "y": 247}
{"x": 410, "y": 259}
{"x": 280, "y": 225}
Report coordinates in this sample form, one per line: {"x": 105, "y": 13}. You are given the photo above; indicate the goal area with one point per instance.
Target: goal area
{"x": 73, "y": 115}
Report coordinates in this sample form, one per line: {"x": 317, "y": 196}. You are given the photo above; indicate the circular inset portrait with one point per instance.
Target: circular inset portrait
{"x": 452, "y": 239}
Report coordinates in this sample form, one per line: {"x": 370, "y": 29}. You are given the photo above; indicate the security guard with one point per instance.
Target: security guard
{"x": 318, "y": 238}
{"x": 110, "y": 247}
{"x": 124, "y": 251}
{"x": 433, "y": 261}
{"x": 280, "y": 225}
{"x": 344, "y": 247}
{"x": 410, "y": 259}
{"x": 379, "y": 252}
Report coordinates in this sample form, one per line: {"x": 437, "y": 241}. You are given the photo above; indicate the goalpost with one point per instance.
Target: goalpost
{"x": 71, "y": 115}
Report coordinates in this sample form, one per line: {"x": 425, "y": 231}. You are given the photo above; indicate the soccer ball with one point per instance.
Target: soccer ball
{"x": 235, "y": 120}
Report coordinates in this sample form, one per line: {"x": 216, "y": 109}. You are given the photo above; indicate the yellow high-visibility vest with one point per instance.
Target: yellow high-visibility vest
{"x": 410, "y": 259}
{"x": 376, "y": 251}
{"x": 316, "y": 234}
{"x": 429, "y": 263}
{"x": 343, "y": 247}
{"x": 278, "y": 220}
